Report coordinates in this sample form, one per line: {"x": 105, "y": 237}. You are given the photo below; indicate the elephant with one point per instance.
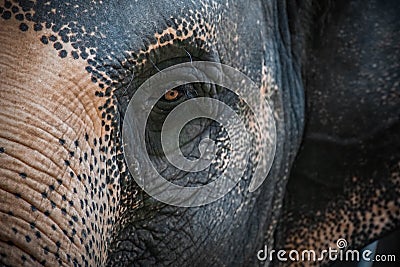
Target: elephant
{"x": 329, "y": 71}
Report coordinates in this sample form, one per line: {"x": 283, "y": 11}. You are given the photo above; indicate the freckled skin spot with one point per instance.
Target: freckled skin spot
{"x": 63, "y": 53}
{"x": 6, "y": 15}
{"x": 23, "y": 27}
{"x": 37, "y": 27}
{"x": 52, "y": 38}
{"x": 57, "y": 45}
{"x": 19, "y": 17}
{"x": 44, "y": 40}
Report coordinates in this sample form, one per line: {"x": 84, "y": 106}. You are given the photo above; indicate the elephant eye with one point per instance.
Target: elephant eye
{"x": 177, "y": 94}
{"x": 172, "y": 95}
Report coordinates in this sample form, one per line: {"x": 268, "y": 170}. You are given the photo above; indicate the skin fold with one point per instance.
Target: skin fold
{"x": 69, "y": 69}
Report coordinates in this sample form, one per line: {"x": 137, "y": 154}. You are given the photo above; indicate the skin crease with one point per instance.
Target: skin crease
{"x": 57, "y": 109}
{"x": 67, "y": 196}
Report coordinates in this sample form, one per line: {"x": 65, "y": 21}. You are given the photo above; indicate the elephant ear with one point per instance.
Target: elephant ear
{"x": 345, "y": 181}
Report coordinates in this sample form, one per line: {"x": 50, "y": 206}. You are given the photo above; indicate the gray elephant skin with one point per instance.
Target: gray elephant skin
{"x": 68, "y": 70}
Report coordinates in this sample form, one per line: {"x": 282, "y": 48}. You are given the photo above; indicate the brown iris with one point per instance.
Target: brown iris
{"x": 172, "y": 95}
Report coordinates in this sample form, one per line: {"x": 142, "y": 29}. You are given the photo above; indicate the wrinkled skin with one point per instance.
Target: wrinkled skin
{"x": 69, "y": 70}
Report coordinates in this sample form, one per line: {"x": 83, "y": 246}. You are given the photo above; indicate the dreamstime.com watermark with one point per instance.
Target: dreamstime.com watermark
{"x": 339, "y": 253}
{"x": 149, "y": 93}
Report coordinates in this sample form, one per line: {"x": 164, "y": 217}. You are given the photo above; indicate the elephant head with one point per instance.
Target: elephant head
{"x": 69, "y": 71}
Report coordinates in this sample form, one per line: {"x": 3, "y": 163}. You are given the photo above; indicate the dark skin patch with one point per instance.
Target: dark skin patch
{"x": 346, "y": 173}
